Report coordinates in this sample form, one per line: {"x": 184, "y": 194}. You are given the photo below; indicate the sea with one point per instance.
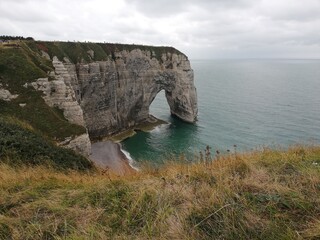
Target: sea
{"x": 243, "y": 105}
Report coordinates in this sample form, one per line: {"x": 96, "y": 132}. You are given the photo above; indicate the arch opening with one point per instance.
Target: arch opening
{"x": 159, "y": 106}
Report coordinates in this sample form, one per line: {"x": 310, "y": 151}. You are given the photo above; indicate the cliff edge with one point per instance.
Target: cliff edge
{"x": 82, "y": 90}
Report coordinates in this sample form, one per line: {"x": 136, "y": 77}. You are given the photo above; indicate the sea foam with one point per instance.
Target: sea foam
{"x": 132, "y": 163}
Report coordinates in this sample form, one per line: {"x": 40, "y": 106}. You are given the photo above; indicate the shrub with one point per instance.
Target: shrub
{"x": 21, "y": 146}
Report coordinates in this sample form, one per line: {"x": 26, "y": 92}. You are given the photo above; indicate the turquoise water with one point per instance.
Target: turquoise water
{"x": 250, "y": 103}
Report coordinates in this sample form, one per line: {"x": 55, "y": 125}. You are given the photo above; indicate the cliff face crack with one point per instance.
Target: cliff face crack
{"x": 116, "y": 94}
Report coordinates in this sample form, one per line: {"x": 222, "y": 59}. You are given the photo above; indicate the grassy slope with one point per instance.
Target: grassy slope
{"x": 21, "y": 145}
{"x": 27, "y": 133}
{"x": 17, "y": 67}
{"x": 267, "y": 194}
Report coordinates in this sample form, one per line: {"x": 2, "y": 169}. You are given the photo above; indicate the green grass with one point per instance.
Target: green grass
{"x": 33, "y": 51}
{"x": 78, "y": 52}
{"x": 17, "y": 68}
{"x": 21, "y": 145}
{"x": 20, "y": 66}
{"x": 268, "y": 194}
{"x": 74, "y": 51}
{"x": 49, "y": 121}
{"x": 99, "y": 53}
{"x": 155, "y": 52}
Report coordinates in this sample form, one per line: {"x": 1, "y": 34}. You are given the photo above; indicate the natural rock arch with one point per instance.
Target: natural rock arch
{"x": 181, "y": 100}
{"x": 116, "y": 94}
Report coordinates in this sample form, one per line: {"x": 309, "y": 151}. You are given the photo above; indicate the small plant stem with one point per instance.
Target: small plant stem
{"x": 227, "y": 205}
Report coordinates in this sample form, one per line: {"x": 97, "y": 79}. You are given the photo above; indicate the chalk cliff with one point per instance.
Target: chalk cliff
{"x": 116, "y": 94}
{"x": 59, "y": 93}
{"x": 101, "y": 89}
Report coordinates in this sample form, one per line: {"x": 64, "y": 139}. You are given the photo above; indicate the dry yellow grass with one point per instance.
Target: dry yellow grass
{"x": 267, "y": 194}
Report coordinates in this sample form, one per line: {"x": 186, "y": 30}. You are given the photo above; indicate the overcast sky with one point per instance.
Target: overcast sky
{"x": 199, "y": 28}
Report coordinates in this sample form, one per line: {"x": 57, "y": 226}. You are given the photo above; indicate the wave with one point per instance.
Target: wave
{"x": 160, "y": 128}
{"x": 132, "y": 163}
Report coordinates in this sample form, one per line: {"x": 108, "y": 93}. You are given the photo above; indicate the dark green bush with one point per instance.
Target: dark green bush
{"x": 19, "y": 146}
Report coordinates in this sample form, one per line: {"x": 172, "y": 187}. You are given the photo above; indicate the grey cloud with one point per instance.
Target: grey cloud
{"x": 202, "y": 29}
{"x": 290, "y": 10}
{"x": 16, "y": 11}
{"x": 167, "y": 8}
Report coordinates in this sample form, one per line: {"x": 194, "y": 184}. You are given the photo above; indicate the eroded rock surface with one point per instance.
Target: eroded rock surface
{"x": 81, "y": 144}
{"x": 6, "y": 95}
{"x": 59, "y": 93}
{"x": 116, "y": 94}
{"x": 110, "y": 96}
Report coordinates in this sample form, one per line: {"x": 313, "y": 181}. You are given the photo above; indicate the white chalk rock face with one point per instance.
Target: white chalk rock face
{"x": 81, "y": 144}
{"x": 111, "y": 96}
{"x": 5, "y": 95}
{"x": 59, "y": 93}
{"x": 116, "y": 94}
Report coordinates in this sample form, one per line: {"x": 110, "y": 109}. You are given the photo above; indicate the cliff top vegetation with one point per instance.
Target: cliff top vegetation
{"x": 79, "y": 51}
